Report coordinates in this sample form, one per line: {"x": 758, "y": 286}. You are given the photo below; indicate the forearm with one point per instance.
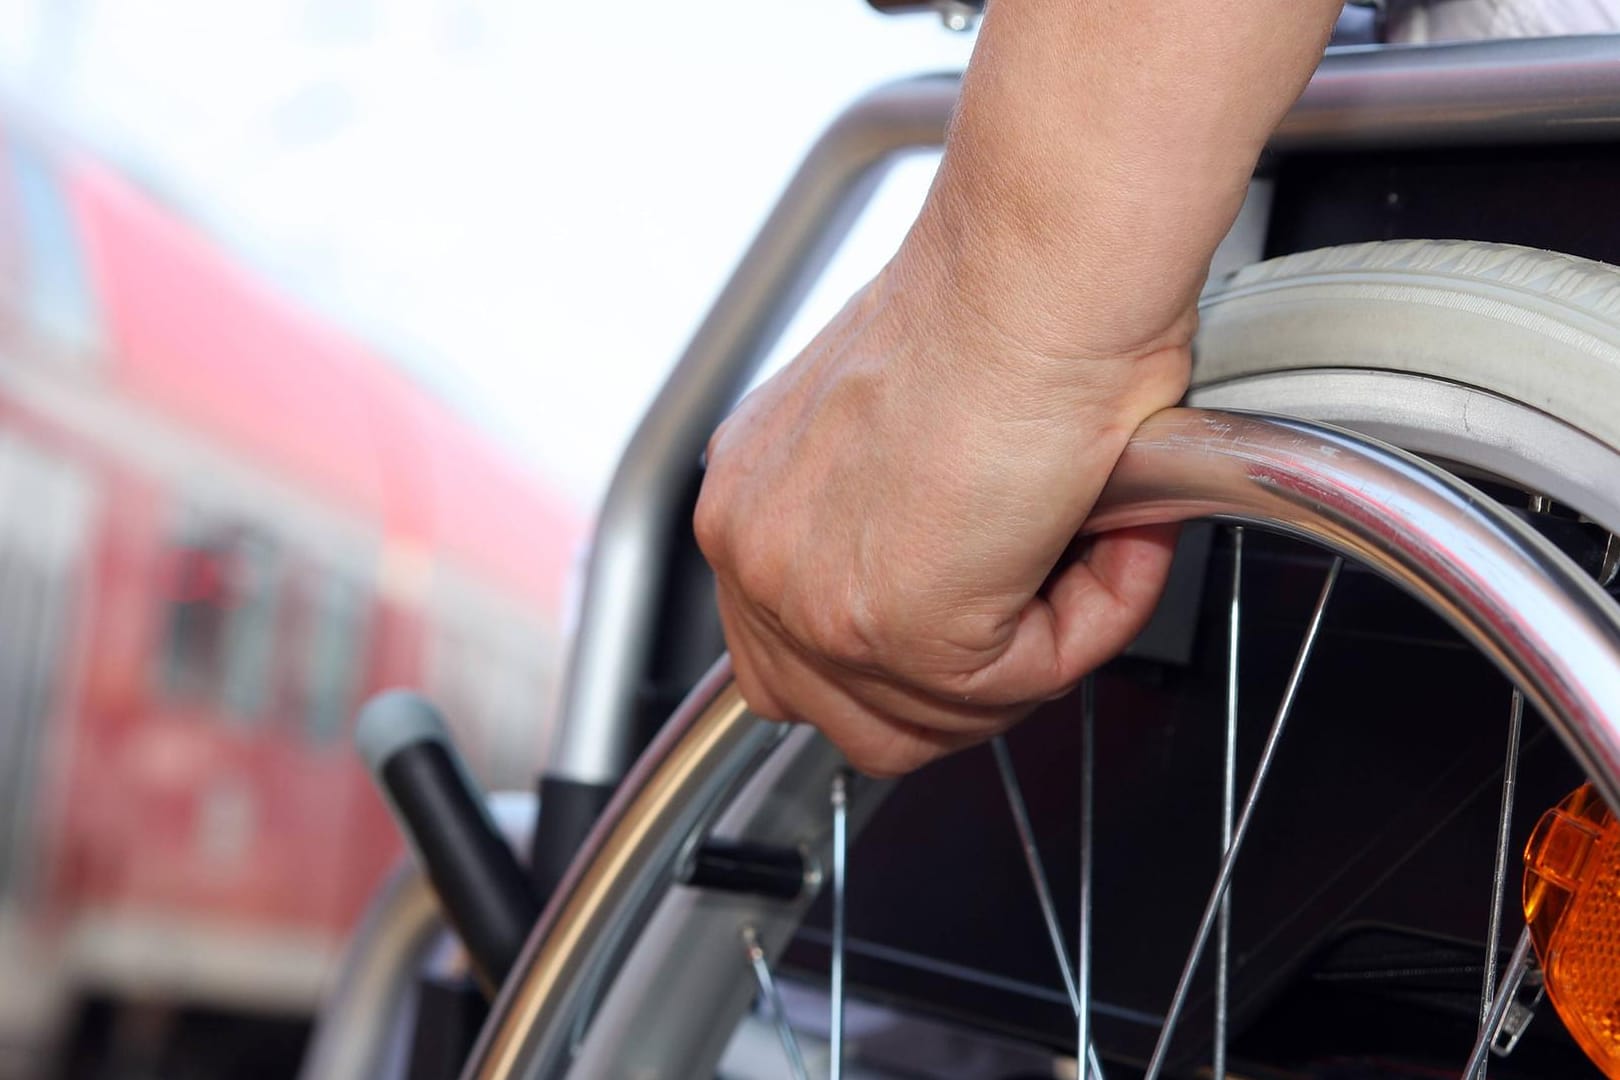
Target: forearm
{"x": 1100, "y": 151}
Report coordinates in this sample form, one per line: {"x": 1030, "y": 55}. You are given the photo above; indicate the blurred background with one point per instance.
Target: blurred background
{"x": 322, "y": 323}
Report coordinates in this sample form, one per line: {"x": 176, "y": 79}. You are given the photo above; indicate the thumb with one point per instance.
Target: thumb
{"x": 1088, "y": 611}
{"x": 1102, "y": 600}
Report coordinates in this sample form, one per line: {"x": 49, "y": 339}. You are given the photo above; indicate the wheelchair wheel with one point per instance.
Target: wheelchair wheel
{"x": 1493, "y": 363}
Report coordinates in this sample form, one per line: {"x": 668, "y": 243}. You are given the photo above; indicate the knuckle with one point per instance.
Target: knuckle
{"x": 991, "y": 686}
{"x": 711, "y": 448}
{"x": 966, "y": 662}
{"x": 876, "y": 766}
{"x": 970, "y": 684}
{"x": 754, "y": 566}
{"x": 709, "y": 523}
{"x": 954, "y": 683}
{"x": 761, "y": 702}
{"x": 850, "y": 631}
{"x": 889, "y": 759}
{"x": 715, "y": 450}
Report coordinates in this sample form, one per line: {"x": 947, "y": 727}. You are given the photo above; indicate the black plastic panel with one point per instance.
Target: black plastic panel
{"x": 1553, "y": 197}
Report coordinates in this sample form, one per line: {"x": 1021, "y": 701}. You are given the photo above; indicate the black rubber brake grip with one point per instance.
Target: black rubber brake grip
{"x": 485, "y": 894}
{"x": 568, "y": 812}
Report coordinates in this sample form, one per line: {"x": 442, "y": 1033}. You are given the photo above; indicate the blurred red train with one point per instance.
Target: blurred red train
{"x": 222, "y": 524}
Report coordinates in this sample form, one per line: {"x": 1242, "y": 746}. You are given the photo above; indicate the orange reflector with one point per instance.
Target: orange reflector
{"x": 1572, "y": 903}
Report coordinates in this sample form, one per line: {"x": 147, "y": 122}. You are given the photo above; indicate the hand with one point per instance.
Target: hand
{"x": 891, "y": 517}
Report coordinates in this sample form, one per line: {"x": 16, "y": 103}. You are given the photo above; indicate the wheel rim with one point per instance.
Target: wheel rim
{"x": 1325, "y": 486}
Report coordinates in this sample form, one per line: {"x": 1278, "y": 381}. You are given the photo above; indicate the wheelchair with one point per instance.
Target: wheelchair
{"x": 1340, "y": 813}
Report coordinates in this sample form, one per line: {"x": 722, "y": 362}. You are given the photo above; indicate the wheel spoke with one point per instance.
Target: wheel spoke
{"x": 1206, "y": 922}
{"x": 1037, "y": 871}
{"x": 773, "y": 1002}
{"x": 1223, "y": 932}
{"x": 1504, "y": 830}
{"x": 1037, "y": 877}
{"x": 840, "y": 857}
{"x": 1517, "y": 967}
{"x": 1088, "y": 775}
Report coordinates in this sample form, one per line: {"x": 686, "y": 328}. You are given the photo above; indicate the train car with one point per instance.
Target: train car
{"x": 223, "y": 523}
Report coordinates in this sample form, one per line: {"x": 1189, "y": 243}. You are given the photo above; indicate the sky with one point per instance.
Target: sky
{"x": 529, "y": 204}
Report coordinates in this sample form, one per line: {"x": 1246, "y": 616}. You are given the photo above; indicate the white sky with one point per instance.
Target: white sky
{"x": 529, "y": 202}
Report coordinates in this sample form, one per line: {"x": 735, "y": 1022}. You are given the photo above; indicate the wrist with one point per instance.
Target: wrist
{"x": 973, "y": 265}
{"x": 944, "y": 322}
{"x": 1096, "y": 158}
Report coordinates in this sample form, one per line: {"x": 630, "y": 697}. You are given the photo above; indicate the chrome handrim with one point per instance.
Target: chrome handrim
{"x": 1512, "y": 596}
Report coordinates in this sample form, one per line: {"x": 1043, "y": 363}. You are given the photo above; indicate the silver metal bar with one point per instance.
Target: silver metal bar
{"x": 1037, "y": 871}
{"x": 840, "y": 860}
{"x": 1088, "y": 798}
{"x": 1504, "y": 830}
{"x": 773, "y": 1001}
{"x": 1527, "y": 90}
{"x": 1517, "y": 966}
{"x": 1207, "y": 922}
{"x": 1223, "y": 930}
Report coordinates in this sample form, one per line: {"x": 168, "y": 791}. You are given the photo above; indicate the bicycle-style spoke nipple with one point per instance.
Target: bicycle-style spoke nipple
{"x": 772, "y": 997}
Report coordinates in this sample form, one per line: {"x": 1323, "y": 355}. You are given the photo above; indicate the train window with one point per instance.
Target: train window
{"x": 197, "y": 606}
{"x": 222, "y": 617}
{"x": 250, "y": 631}
{"x": 332, "y": 665}
{"x": 56, "y": 287}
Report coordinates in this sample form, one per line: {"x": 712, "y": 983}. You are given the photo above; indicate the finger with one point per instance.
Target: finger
{"x": 875, "y": 741}
{"x": 1087, "y": 614}
{"x": 1103, "y": 601}
{"x": 746, "y": 668}
{"x": 887, "y": 693}
{"x": 927, "y": 707}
